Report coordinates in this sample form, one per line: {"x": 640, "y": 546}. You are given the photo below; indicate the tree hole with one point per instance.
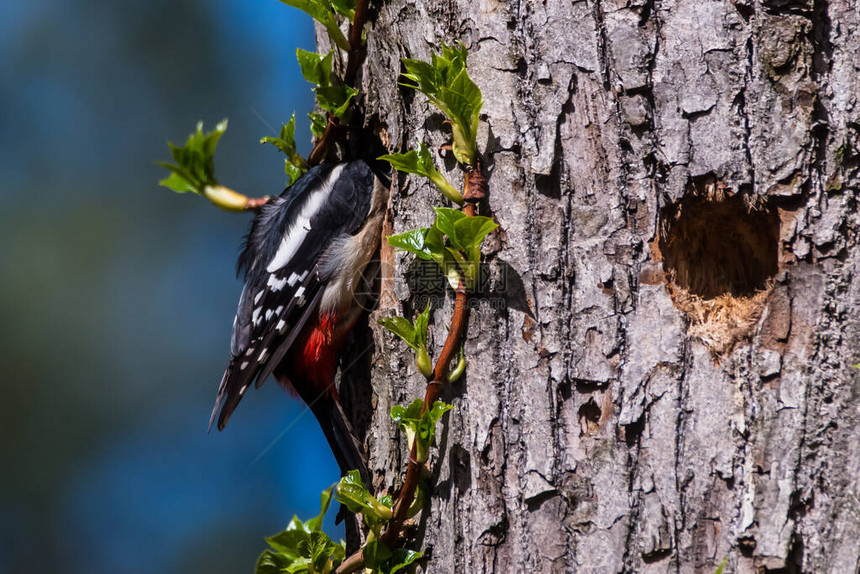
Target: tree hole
{"x": 589, "y": 417}
{"x": 719, "y": 255}
{"x": 712, "y": 248}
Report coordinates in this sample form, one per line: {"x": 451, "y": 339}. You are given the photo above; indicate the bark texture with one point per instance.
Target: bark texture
{"x": 595, "y": 430}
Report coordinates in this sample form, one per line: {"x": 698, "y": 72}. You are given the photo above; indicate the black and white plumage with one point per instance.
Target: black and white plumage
{"x": 303, "y": 257}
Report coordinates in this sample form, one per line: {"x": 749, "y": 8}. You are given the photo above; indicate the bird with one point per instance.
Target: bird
{"x": 303, "y": 259}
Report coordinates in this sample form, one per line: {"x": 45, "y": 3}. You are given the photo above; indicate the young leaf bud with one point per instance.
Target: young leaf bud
{"x": 422, "y": 361}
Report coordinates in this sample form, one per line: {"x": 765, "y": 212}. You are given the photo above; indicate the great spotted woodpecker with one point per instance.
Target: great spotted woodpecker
{"x": 303, "y": 259}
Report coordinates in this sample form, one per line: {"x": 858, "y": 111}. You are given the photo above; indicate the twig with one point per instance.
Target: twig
{"x": 351, "y": 564}
{"x": 431, "y": 395}
{"x": 256, "y": 202}
{"x": 357, "y": 51}
{"x": 475, "y": 190}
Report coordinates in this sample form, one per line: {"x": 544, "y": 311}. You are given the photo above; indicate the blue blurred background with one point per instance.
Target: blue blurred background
{"x": 117, "y": 296}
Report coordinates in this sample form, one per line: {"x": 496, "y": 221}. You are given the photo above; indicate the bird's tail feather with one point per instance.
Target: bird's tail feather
{"x": 341, "y": 438}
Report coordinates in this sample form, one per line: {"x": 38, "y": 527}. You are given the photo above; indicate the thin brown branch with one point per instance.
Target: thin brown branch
{"x": 431, "y": 395}
{"x": 256, "y": 202}
{"x": 435, "y": 384}
{"x": 357, "y": 51}
{"x": 353, "y": 563}
{"x": 357, "y": 48}
{"x": 322, "y": 146}
{"x": 476, "y": 185}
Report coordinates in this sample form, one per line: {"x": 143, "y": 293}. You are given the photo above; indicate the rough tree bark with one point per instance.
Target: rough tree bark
{"x": 616, "y": 415}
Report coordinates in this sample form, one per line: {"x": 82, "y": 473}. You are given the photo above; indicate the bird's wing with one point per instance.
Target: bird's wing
{"x": 282, "y": 283}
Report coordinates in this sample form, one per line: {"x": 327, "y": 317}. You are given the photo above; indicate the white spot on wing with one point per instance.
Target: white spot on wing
{"x": 298, "y": 231}
{"x": 281, "y": 326}
{"x": 263, "y": 355}
{"x": 258, "y": 296}
{"x": 255, "y": 316}
{"x": 294, "y": 278}
{"x": 275, "y": 283}
{"x": 243, "y": 366}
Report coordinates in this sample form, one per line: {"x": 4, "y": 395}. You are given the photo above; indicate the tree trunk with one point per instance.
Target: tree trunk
{"x": 661, "y": 365}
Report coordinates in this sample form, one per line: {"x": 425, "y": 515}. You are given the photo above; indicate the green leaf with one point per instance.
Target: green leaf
{"x": 287, "y": 541}
{"x": 417, "y": 426}
{"x": 293, "y": 172}
{"x": 400, "y": 326}
{"x": 722, "y": 565}
{"x": 421, "y": 322}
{"x": 295, "y": 165}
{"x": 446, "y": 220}
{"x": 318, "y": 123}
{"x": 439, "y": 409}
{"x": 375, "y": 553}
{"x": 325, "y": 501}
{"x": 400, "y": 414}
{"x": 313, "y": 8}
{"x": 423, "y": 74}
{"x": 458, "y": 370}
{"x": 286, "y": 140}
{"x": 272, "y": 563}
{"x": 352, "y": 493}
{"x": 434, "y": 242}
{"x": 335, "y": 99}
{"x": 419, "y": 500}
{"x": 318, "y": 548}
{"x": 446, "y": 83}
{"x": 316, "y": 69}
{"x": 463, "y": 102}
{"x": 400, "y": 559}
{"x": 411, "y": 241}
{"x": 420, "y": 162}
{"x": 193, "y": 169}
{"x": 176, "y": 180}
{"x": 471, "y": 231}
{"x": 415, "y": 335}
{"x": 345, "y": 8}
{"x": 321, "y": 11}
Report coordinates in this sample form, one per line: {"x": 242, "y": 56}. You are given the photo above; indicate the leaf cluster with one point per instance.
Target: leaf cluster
{"x": 415, "y": 335}
{"x": 420, "y": 162}
{"x": 454, "y": 240}
{"x": 419, "y": 427}
{"x": 352, "y": 493}
{"x": 302, "y": 547}
{"x": 294, "y": 164}
{"x": 446, "y": 83}
{"x": 333, "y": 95}
{"x": 194, "y": 168}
